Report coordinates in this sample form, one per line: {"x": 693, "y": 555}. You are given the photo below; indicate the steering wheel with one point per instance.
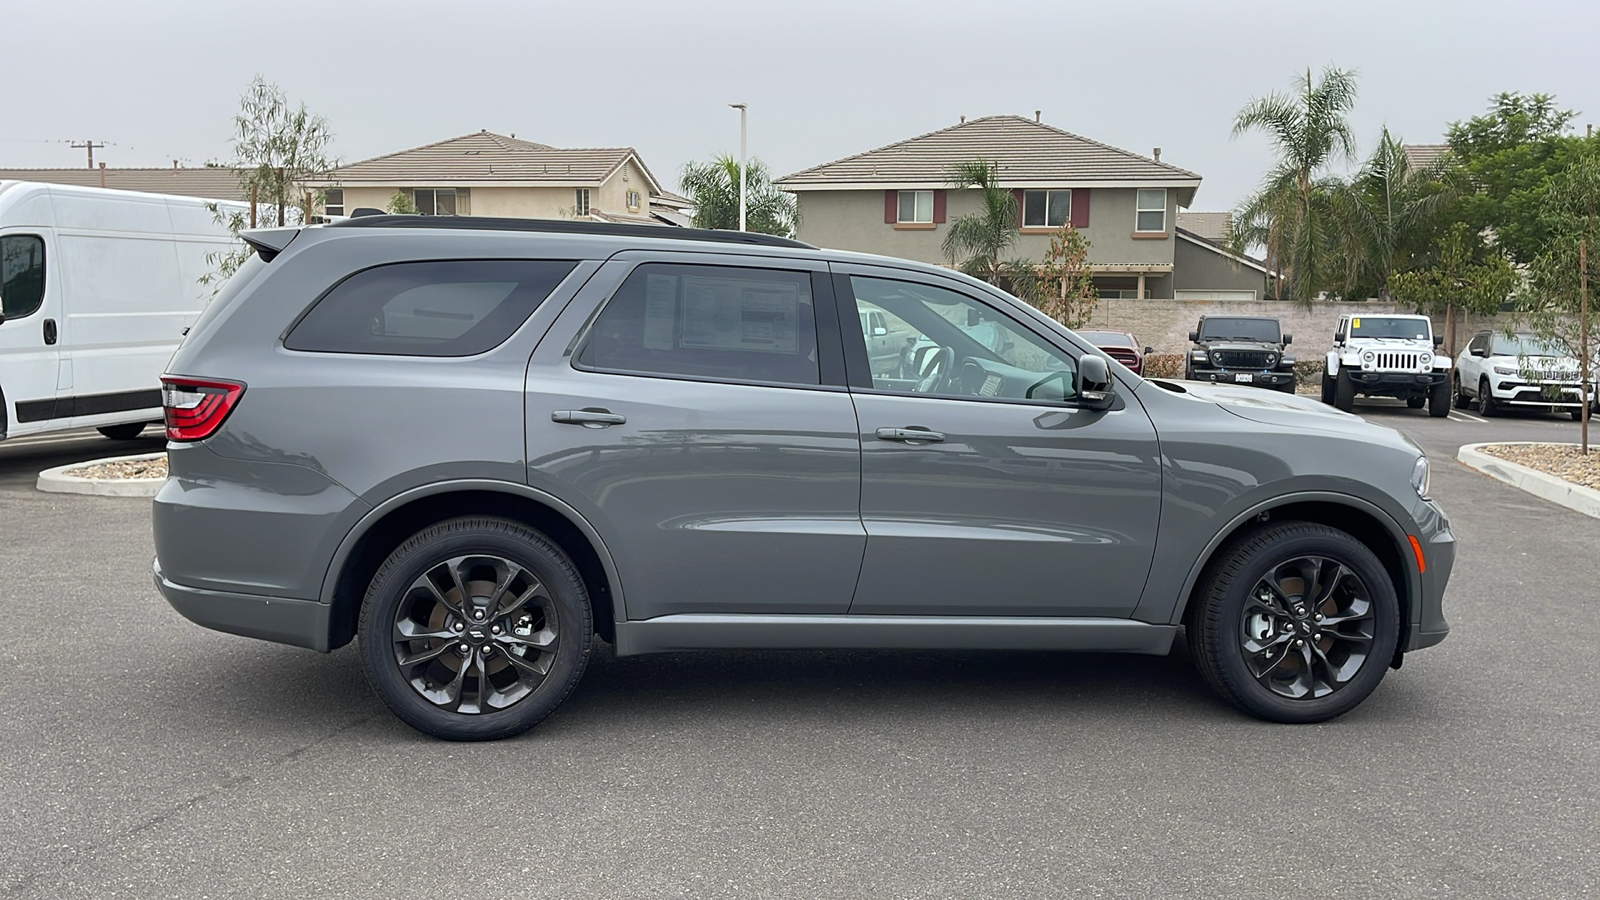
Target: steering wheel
{"x": 931, "y": 366}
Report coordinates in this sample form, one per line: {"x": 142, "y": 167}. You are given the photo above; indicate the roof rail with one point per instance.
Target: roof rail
{"x": 563, "y": 226}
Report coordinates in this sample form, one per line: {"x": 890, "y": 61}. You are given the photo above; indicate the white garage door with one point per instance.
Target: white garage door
{"x": 1216, "y": 295}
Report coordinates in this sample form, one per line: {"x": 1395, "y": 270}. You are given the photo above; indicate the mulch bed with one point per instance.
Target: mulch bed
{"x": 1561, "y": 460}
{"x": 135, "y": 468}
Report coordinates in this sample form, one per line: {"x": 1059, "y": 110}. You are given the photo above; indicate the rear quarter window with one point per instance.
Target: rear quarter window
{"x": 445, "y": 308}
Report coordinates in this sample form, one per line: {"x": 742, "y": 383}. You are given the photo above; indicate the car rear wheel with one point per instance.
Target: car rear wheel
{"x": 475, "y": 629}
{"x": 1294, "y": 622}
{"x": 1577, "y": 414}
{"x": 1486, "y": 404}
{"x": 125, "y": 432}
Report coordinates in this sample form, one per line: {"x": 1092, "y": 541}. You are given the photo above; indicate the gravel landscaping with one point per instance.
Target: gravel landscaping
{"x": 127, "y": 468}
{"x": 1561, "y": 460}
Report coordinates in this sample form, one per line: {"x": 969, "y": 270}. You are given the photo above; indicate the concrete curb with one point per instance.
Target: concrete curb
{"x": 58, "y": 481}
{"x": 1540, "y": 484}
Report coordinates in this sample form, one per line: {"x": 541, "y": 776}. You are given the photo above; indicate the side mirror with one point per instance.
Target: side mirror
{"x": 879, "y": 331}
{"x": 1338, "y": 338}
{"x": 1095, "y": 390}
{"x": 1149, "y": 350}
{"x": 1288, "y": 339}
{"x": 1438, "y": 340}
{"x": 1194, "y": 337}
{"x": 1477, "y": 351}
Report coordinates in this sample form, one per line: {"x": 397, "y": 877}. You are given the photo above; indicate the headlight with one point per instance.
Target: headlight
{"x": 1368, "y": 356}
{"x": 1425, "y": 360}
{"x": 1272, "y": 359}
{"x": 1419, "y": 477}
{"x": 1504, "y": 370}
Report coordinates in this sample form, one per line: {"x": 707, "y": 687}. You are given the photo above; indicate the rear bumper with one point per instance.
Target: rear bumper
{"x": 302, "y": 623}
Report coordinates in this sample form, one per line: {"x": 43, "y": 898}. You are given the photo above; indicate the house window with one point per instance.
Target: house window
{"x": 633, "y": 199}
{"x": 1046, "y": 209}
{"x": 916, "y": 206}
{"x": 435, "y": 201}
{"x": 1152, "y": 214}
{"x": 333, "y": 202}
{"x": 580, "y": 205}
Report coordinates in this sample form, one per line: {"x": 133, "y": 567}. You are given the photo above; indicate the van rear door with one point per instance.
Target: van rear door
{"x": 30, "y": 348}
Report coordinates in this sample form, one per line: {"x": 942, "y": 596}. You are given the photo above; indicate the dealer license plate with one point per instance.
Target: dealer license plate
{"x": 1244, "y": 376}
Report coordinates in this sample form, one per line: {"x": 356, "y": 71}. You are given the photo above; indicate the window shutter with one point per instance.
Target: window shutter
{"x": 1080, "y": 207}
{"x": 1017, "y": 193}
{"x": 938, "y": 206}
{"x": 891, "y": 207}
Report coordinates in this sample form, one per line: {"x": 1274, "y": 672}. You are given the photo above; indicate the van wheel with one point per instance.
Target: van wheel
{"x": 1294, "y": 622}
{"x": 125, "y": 432}
{"x": 475, "y": 629}
{"x": 1344, "y": 392}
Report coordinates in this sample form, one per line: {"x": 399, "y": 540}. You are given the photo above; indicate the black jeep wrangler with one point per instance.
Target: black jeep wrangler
{"x": 1240, "y": 350}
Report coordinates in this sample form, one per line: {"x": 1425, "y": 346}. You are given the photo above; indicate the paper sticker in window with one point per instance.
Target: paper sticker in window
{"x": 727, "y": 314}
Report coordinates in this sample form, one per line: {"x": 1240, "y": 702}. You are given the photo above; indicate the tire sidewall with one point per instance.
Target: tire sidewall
{"x": 460, "y": 537}
{"x": 1230, "y": 662}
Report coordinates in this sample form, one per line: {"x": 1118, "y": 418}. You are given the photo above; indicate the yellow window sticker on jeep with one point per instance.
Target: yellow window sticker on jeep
{"x": 1355, "y": 323}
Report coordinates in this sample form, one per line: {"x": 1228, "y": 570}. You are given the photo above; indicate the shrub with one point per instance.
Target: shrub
{"x": 1308, "y": 372}
{"x": 1163, "y": 365}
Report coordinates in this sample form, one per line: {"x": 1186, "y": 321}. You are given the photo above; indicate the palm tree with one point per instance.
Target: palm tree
{"x": 714, "y": 188}
{"x": 1293, "y": 214}
{"x": 1388, "y": 215}
{"x": 976, "y": 242}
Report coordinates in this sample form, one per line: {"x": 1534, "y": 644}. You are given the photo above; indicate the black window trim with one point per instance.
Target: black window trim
{"x": 831, "y": 359}
{"x": 44, "y": 260}
{"x": 556, "y": 291}
{"x": 859, "y": 367}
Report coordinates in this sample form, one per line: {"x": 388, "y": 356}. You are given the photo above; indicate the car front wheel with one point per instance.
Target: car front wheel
{"x": 1344, "y": 392}
{"x": 1294, "y": 622}
{"x": 475, "y": 629}
{"x": 1486, "y": 404}
{"x": 1439, "y": 400}
{"x": 1462, "y": 400}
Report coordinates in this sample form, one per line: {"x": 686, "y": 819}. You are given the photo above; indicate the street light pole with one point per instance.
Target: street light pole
{"x": 742, "y": 112}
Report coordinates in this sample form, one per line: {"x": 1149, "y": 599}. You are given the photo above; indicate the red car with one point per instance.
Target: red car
{"x": 1120, "y": 346}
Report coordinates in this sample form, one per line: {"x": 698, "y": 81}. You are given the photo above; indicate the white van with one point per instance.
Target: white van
{"x": 96, "y": 289}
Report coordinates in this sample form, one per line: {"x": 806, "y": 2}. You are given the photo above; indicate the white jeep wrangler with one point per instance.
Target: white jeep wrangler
{"x": 1387, "y": 356}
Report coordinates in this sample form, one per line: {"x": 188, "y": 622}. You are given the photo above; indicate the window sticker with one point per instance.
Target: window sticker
{"x": 728, "y": 314}
{"x": 1355, "y": 323}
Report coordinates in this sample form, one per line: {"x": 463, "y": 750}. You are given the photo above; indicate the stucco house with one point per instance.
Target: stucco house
{"x": 896, "y": 200}
{"x": 487, "y": 174}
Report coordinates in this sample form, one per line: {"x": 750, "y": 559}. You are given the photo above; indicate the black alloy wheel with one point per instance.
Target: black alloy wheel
{"x": 1462, "y": 400}
{"x": 475, "y": 629}
{"x": 1486, "y": 404}
{"x": 1294, "y": 622}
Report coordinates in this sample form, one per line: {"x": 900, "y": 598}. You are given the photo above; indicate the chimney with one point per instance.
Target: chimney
{"x": 1036, "y": 114}
{"x": 174, "y": 167}
{"x": 102, "y": 174}
{"x": 963, "y": 120}
{"x": 1157, "y": 153}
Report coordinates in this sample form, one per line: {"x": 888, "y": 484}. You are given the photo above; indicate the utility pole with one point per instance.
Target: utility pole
{"x": 1583, "y": 334}
{"x": 90, "y": 146}
{"x": 742, "y": 162}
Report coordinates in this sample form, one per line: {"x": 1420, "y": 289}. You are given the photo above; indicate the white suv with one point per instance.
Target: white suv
{"x": 1387, "y": 356}
{"x": 1501, "y": 371}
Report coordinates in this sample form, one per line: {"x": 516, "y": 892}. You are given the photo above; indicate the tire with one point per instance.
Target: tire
{"x": 1327, "y": 388}
{"x": 1462, "y": 400}
{"x": 1577, "y": 414}
{"x": 1287, "y": 387}
{"x": 1415, "y": 402}
{"x": 124, "y": 432}
{"x": 1439, "y": 400}
{"x": 1486, "y": 404}
{"x": 480, "y": 553}
{"x": 1344, "y": 393}
{"x": 1235, "y": 639}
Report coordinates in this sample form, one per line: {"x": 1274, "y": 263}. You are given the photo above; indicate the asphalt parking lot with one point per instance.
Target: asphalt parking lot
{"x": 146, "y": 757}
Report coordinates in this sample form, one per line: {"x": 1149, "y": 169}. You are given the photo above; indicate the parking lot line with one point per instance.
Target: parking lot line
{"x": 1460, "y": 416}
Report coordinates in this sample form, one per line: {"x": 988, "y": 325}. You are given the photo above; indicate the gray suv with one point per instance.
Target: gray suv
{"x": 476, "y": 443}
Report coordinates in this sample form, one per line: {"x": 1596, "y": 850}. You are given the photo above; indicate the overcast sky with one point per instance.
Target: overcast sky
{"x": 824, "y": 78}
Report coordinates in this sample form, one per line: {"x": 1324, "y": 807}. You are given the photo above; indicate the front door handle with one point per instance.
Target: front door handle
{"x": 593, "y": 417}
{"x": 914, "y": 434}
{"x": 49, "y": 331}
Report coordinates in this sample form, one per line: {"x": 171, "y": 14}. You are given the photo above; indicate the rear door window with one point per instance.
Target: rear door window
{"x": 724, "y": 323}
{"x": 447, "y": 308}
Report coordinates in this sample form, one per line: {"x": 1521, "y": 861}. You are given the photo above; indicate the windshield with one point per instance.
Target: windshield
{"x": 1525, "y": 345}
{"x": 1265, "y": 330}
{"x": 1395, "y": 327}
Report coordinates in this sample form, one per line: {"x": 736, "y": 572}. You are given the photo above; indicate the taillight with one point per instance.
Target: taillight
{"x": 195, "y": 407}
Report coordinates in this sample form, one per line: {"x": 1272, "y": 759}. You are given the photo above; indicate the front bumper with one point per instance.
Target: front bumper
{"x": 302, "y": 623}
{"x": 1256, "y": 377}
{"x": 1521, "y": 393}
{"x": 1428, "y": 624}
{"x": 1386, "y": 382}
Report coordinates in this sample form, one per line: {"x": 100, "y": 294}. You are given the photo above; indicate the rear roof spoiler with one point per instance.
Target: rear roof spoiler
{"x": 268, "y": 242}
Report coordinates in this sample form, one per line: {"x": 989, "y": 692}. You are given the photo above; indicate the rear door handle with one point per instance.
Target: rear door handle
{"x": 593, "y": 417}
{"x": 914, "y": 434}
